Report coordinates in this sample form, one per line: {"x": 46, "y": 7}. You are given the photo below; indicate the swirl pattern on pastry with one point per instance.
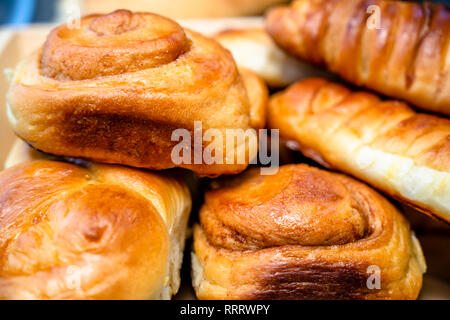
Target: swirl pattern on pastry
{"x": 115, "y": 89}
{"x": 302, "y": 233}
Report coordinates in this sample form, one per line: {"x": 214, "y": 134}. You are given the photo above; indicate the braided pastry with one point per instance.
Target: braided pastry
{"x": 407, "y": 55}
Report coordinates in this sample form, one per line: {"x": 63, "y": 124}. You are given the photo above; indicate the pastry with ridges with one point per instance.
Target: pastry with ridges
{"x": 383, "y": 142}
{"x": 398, "y": 48}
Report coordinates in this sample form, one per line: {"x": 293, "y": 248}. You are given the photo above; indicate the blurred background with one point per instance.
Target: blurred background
{"x": 20, "y": 12}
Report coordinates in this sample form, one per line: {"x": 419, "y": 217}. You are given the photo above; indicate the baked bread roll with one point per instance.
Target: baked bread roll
{"x": 254, "y": 49}
{"x": 115, "y": 89}
{"x": 398, "y": 48}
{"x": 303, "y": 233}
{"x": 403, "y": 153}
{"x": 89, "y": 232}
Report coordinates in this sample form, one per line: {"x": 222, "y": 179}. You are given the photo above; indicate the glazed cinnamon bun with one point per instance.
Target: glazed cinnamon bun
{"x": 303, "y": 233}
{"x": 115, "y": 88}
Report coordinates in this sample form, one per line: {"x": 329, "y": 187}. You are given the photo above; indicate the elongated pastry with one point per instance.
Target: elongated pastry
{"x": 89, "y": 231}
{"x": 401, "y": 152}
{"x": 303, "y": 233}
{"x": 116, "y": 88}
{"x": 398, "y": 48}
{"x": 254, "y": 49}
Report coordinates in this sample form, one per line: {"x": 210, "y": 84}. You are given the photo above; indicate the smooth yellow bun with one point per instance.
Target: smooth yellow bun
{"x": 302, "y": 233}
{"x": 403, "y": 153}
{"x": 254, "y": 49}
{"x": 115, "y": 89}
{"x": 90, "y": 232}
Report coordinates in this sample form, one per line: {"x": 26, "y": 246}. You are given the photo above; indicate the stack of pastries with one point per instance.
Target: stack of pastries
{"x": 89, "y": 211}
{"x": 81, "y": 214}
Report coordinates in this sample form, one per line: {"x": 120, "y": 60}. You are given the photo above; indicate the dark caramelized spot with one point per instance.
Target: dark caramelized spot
{"x": 311, "y": 281}
{"x": 129, "y": 134}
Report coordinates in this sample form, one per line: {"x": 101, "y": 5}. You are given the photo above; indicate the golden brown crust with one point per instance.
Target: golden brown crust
{"x": 403, "y": 153}
{"x": 111, "y": 44}
{"x": 115, "y": 89}
{"x": 302, "y": 233}
{"x": 407, "y": 57}
{"x": 255, "y": 214}
{"x": 258, "y": 96}
{"x": 95, "y": 232}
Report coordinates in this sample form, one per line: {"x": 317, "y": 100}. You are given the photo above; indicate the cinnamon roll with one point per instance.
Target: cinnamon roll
{"x": 303, "y": 233}
{"x": 403, "y": 153}
{"x": 116, "y": 87}
{"x": 398, "y": 48}
{"x": 89, "y": 231}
